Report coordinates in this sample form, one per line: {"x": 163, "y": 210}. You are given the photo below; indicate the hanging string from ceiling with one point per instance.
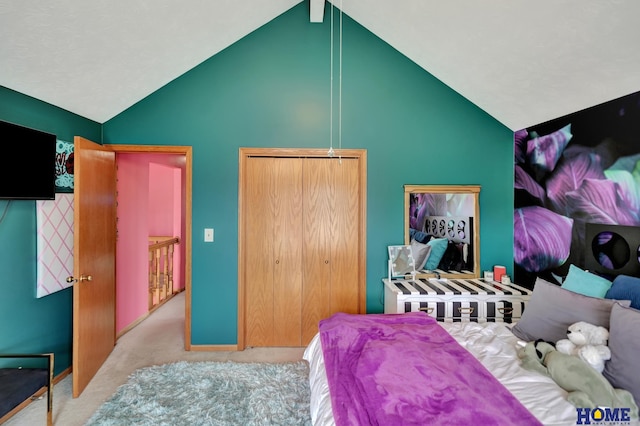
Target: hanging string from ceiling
{"x": 331, "y": 152}
{"x": 340, "y": 88}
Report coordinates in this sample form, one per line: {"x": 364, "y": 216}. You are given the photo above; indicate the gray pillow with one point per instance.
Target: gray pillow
{"x": 624, "y": 341}
{"x": 420, "y": 254}
{"x": 552, "y": 309}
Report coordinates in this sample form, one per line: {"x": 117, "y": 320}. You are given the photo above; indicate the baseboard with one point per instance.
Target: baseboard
{"x": 132, "y": 325}
{"x": 145, "y": 315}
{"x": 62, "y": 375}
{"x": 212, "y": 348}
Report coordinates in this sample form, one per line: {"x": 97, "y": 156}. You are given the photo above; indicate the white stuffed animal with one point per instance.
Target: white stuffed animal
{"x": 588, "y": 342}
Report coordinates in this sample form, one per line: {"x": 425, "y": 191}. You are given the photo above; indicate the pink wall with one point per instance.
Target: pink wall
{"x": 132, "y": 246}
{"x": 160, "y": 199}
{"x": 150, "y": 202}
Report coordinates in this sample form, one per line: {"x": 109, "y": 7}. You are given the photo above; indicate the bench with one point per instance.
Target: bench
{"x": 19, "y": 386}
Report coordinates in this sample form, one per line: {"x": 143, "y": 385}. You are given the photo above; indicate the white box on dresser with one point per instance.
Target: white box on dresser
{"x": 456, "y": 299}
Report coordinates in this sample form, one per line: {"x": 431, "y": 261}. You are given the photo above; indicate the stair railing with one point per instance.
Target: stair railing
{"x": 161, "y": 269}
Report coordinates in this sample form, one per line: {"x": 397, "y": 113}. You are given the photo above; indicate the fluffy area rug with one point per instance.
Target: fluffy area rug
{"x": 211, "y": 393}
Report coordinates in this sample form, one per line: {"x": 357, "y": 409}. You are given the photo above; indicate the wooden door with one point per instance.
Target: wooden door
{"x": 287, "y": 251}
{"x": 330, "y": 241}
{"x": 302, "y": 242}
{"x": 346, "y": 209}
{"x": 316, "y": 298}
{"x": 272, "y": 242}
{"x": 93, "y": 260}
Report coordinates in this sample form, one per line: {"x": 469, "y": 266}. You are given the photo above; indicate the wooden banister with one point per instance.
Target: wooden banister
{"x": 161, "y": 250}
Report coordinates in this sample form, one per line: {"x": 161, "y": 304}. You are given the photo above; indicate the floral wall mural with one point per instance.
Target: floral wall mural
{"x": 572, "y": 172}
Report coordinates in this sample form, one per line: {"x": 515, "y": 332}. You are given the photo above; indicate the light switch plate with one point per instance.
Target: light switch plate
{"x": 208, "y": 235}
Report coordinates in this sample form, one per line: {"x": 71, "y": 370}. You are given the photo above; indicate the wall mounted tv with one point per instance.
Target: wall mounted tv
{"x": 29, "y": 163}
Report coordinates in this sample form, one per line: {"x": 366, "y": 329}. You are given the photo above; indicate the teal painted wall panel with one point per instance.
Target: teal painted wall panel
{"x": 30, "y": 324}
{"x": 18, "y": 108}
{"x": 272, "y": 89}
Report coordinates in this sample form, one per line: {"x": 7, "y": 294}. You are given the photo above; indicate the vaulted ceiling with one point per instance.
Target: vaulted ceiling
{"x": 523, "y": 62}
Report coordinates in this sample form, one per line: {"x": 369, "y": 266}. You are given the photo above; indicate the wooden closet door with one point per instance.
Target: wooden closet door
{"x": 287, "y": 276}
{"x": 345, "y": 243}
{"x": 259, "y": 252}
{"x": 330, "y": 240}
{"x": 273, "y": 253}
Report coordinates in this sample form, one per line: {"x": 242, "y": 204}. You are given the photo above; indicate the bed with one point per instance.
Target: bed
{"x": 410, "y": 369}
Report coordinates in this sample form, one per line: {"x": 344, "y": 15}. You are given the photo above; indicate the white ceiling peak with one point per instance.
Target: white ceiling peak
{"x": 522, "y": 62}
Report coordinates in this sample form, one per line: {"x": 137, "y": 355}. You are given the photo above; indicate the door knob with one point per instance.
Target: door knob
{"x": 71, "y": 279}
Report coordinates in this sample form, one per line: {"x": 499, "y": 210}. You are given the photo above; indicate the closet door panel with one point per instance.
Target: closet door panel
{"x": 345, "y": 224}
{"x": 286, "y": 205}
{"x": 259, "y": 248}
{"x": 316, "y": 298}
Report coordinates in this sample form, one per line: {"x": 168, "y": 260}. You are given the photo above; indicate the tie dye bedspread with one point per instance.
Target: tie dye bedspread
{"x": 402, "y": 369}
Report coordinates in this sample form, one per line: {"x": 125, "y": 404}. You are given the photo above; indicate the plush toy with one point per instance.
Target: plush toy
{"x": 588, "y": 342}
{"x": 529, "y": 359}
{"x": 586, "y": 387}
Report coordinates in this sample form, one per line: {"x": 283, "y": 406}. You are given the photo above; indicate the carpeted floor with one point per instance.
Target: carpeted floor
{"x": 157, "y": 340}
{"x": 211, "y": 393}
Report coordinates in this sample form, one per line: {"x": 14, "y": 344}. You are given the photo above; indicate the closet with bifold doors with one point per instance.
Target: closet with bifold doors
{"x": 302, "y": 223}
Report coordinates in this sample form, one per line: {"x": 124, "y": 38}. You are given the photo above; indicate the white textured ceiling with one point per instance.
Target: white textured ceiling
{"x": 524, "y": 62}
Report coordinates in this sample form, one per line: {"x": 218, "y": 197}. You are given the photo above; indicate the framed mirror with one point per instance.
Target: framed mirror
{"x": 446, "y": 218}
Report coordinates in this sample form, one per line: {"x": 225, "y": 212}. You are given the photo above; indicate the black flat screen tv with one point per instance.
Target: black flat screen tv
{"x": 28, "y": 170}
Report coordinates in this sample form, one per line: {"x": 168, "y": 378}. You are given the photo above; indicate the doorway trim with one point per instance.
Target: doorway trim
{"x": 244, "y": 154}
{"x": 187, "y": 151}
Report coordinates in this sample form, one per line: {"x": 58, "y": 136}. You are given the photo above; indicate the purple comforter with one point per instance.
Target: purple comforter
{"x": 401, "y": 369}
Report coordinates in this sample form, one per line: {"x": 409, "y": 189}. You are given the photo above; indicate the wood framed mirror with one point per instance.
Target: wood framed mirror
{"x": 447, "y": 218}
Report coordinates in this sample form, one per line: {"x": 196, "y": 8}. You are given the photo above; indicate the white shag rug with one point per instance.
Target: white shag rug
{"x": 211, "y": 393}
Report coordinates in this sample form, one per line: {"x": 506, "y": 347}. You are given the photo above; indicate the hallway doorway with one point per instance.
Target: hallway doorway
{"x": 141, "y": 169}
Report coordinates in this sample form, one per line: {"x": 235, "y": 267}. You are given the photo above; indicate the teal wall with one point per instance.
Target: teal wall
{"x": 271, "y": 89}
{"x": 28, "y": 324}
